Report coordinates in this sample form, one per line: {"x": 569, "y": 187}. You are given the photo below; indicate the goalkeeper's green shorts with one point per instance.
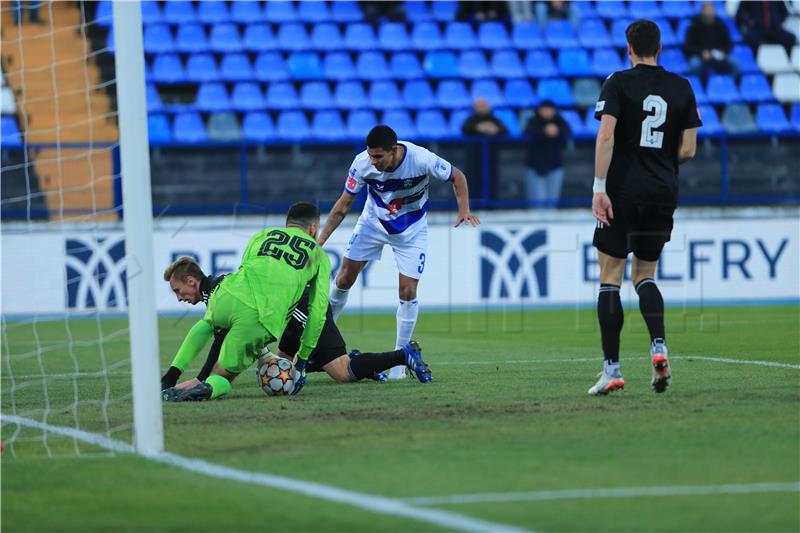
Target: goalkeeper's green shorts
{"x": 246, "y": 336}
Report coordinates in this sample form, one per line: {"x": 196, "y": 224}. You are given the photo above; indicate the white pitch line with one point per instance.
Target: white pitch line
{"x": 368, "y": 502}
{"x": 737, "y": 361}
{"x": 628, "y": 492}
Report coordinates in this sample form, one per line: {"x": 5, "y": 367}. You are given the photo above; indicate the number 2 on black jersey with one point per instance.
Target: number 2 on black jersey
{"x": 651, "y": 138}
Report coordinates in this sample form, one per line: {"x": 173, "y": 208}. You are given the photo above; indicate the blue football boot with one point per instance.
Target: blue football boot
{"x": 414, "y": 361}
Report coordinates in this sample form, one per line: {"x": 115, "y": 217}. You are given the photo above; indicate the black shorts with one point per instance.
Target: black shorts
{"x": 642, "y": 229}
{"x": 330, "y": 345}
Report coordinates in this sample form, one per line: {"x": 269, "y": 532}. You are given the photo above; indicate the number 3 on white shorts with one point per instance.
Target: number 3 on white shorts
{"x": 650, "y": 138}
{"x": 421, "y": 266}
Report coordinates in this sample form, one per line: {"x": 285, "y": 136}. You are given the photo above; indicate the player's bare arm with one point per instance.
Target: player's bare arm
{"x": 604, "y": 148}
{"x": 688, "y": 146}
{"x": 461, "y": 192}
{"x": 336, "y": 216}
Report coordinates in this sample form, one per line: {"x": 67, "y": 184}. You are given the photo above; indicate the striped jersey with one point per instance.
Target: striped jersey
{"x": 398, "y": 199}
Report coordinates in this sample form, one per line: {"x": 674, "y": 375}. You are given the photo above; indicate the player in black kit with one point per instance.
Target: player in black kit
{"x": 648, "y": 127}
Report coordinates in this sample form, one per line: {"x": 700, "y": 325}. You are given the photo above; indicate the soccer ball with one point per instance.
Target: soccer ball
{"x": 275, "y": 376}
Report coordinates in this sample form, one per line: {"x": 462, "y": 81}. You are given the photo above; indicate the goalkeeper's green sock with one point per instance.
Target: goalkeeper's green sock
{"x": 219, "y": 385}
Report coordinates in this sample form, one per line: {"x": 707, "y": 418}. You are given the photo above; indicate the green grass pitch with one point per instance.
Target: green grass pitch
{"x": 507, "y": 412}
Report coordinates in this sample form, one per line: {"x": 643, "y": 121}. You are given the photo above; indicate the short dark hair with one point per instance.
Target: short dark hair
{"x": 182, "y": 268}
{"x": 381, "y": 136}
{"x": 644, "y": 37}
{"x": 302, "y": 214}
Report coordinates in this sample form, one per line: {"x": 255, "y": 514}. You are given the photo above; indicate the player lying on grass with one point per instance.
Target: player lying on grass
{"x": 254, "y": 304}
{"x": 330, "y": 355}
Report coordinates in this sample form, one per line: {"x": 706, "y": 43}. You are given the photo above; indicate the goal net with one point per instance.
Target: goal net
{"x": 66, "y": 277}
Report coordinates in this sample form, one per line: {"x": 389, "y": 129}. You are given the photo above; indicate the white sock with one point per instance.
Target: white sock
{"x": 406, "y": 320}
{"x": 609, "y": 367}
{"x": 337, "y": 299}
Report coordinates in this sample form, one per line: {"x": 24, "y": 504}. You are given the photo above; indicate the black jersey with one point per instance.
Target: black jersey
{"x": 652, "y": 108}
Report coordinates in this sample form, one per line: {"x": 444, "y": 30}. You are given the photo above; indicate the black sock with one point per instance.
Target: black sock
{"x": 651, "y": 304}
{"x": 366, "y": 365}
{"x": 609, "y": 313}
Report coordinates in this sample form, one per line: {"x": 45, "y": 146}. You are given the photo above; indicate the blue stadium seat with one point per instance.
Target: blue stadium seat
{"x": 755, "y": 88}
{"x": 157, "y": 39}
{"x": 559, "y": 34}
{"x": 711, "y": 124}
{"x": 328, "y": 125}
{"x": 270, "y": 66}
{"x": 509, "y": 118}
{"x": 191, "y": 38}
{"x": 258, "y": 126}
{"x": 606, "y": 61}
{"x": 346, "y": 11}
{"x": 678, "y": 9}
{"x": 441, "y": 65}
{"x": 201, "y": 67}
{"x": 236, "y": 67}
{"x": 590, "y": 124}
{"x": 225, "y": 38}
{"x": 460, "y": 36}
{"x": 104, "y": 16}
{"x": 350, "y": 95}
{"x": 176, "y": 12}
{"x": 189, "y": 128}
{"x": 280, "y": 12}
{"x": 282, "y": 95}
{"x": 416, "y": 11}
{"x": 385, "y": 95}
{"x": 313, "y": 11}
{"x": 359, "y": 36}
{"x": 540, "y": 64}
{"x": 683, "y": 27}
{"x": 493, "y": 35}
{"x": 405, "y": 66}
{"x": 673, "y": 60}
{"x": 699, "y": 91}
{"x": 151, "y": 12}
{"x": 10, "y": 133}
{"x": 223, "y": 127}
{"x": 259, "y": 38}
{"x": 584, "y": 9}
{"x": 158, "y": 129}
{"x": 738, "y": 119}
{"x": 444, "y": 10}
{"x": 519, "y": 93}
{"x": 452, "y": 94}
{"x": 612, "y": 9}
{"x": 457, "y": 119}
{"x": 247, "y": 96}
{"x": 795, "y": 117}
{"x": 431, "y": 124}
{"x": 770, "y": 118}
{"x": 488, "y": 90}
{"x": 426, "y": 36}
{"x": 293, "y": 126}
{"x": 575, "y": 122}
{"x": 556, "y": 89}
{"x": 473, "y": 64}
{"x": 153, "y": 99}
{"x": 359, "y": 123}
{"x": 212, "y": 97}
{"x": 506, "y": 64}
{"x": 400, "y": 121}
{"x": 618, "y": 28}
{"x": 292, "y": 36}
{"x": 574, "y": 62}
{"x": 592, "y": 33}
{"x": 213, "y": 12}
{"x": 167, "y": 68}
{"x": 527, "y": 35}
{"x": 743, "y": 55}
{"x": 316, "y": 95}
{"x": 372, "y": 66}
{"x": 393, "y": 36}
{"x": 326, "y": 37}
{"x": 417, "y": 94}
{"x": 338, "y": 66}
{"x": 644, "y": 9}
{"x": 736, "y": 37}
{"x": 668, "y": 37}
{"x": 304, "y": 66}
{"x": 721, "y": 89}
{"x": 246, "y": 11}
{"x": 586, "y": 92}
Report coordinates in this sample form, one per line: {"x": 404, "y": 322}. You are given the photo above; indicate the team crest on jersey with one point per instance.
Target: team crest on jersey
{"x": 513, "y": 264}
{"x": 599, "y": 106}
{"x": 441, "y": 165}
{"x": 351, "y": 183}
{"x": 95, "y": 269}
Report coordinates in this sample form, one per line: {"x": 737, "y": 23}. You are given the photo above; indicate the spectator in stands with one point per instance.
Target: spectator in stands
{"x": 520, "y": 10}
{"x": 708, "y": 44}
{"x": 549, "y": 133}
{"x": 556, "y": 10}
{"x": 33, "y": 11}
{"x": 374, "y": 11}
{"x": 482, "y": 121}
{"x": 482, "y": 10}
{"x": 762, "y": 22}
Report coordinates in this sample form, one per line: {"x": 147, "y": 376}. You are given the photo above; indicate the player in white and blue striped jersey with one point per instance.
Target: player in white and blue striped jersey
{"x": 397, "y": 175}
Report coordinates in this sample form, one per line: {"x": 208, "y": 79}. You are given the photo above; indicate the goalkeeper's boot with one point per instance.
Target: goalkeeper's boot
{"x": 414, "y": 362}
{"x": 661, "y": 370}
{"x": 380, "y": 377}
{"x": 198, "y": 393}
{"x": 607, "y": 382}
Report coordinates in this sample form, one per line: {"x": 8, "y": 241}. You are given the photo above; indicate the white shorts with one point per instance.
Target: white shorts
{"x": 367, "y": 242}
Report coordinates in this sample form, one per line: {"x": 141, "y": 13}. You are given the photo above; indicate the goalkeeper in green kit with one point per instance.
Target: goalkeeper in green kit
{"x": 256, "y": 302}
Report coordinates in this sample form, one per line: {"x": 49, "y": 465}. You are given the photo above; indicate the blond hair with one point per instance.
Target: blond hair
{"x": 183, "y": 267}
